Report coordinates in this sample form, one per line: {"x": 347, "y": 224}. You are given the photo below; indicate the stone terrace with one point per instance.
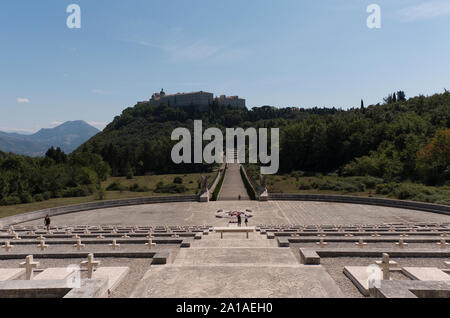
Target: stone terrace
{"x": 297, "y": 249}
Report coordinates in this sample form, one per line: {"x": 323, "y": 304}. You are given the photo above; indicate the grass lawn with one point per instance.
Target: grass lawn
{"x": 190, "y": 181}
{"x": 287, "y": 184}
{"x": 358, "y": 186}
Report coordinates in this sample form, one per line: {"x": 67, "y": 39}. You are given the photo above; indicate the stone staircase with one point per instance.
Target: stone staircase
{"x": 236, "y": 267}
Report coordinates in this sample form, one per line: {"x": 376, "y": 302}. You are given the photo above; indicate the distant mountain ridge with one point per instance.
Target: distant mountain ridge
{"x": 68, "y": 136}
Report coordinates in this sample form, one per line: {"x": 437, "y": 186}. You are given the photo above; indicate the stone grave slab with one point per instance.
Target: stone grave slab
{"x": 54, "y": 274}
{"x": 11, "y": 273}
{"x": 359, "y": 275}
{"x": 114, "y": 275}
{"x": 411, "y": 289}
{"x": 426, "y": 274}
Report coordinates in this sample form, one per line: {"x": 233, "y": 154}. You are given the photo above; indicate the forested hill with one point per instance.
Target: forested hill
{"x": 139, "y": 139}
{"x": 401, "y": 139}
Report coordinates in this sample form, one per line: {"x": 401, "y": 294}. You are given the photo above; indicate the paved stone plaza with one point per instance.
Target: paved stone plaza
{"x": 230, "y": 268}
{"x": 288, "y": 261}
{"x": 272, "y": 212}
{"x": 291, "y": 249}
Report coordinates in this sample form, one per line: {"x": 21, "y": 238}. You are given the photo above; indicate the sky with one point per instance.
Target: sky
{"x": 302, "y": 53}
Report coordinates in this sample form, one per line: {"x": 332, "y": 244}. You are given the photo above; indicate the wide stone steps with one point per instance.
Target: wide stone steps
{"x": 236, "y": 267}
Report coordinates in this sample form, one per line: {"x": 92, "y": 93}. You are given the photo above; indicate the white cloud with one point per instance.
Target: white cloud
{"x": 424, "y": 11}
{"x": 56, "y": 123}
{"x": 17, "y": 130}
{"x": 101, "y": 92}
{"x": 194, "y": 52}
{"x": 198, "y": 51}
{"x": 21, "y": 100}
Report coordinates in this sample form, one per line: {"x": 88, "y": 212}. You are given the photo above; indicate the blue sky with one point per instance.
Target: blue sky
{"x": 302, "y": 53}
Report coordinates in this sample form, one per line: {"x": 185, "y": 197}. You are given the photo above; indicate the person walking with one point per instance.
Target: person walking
{"x": 246, "y": 221}
{"x": 47, "y": 222}
{"x": 239, "y": 220}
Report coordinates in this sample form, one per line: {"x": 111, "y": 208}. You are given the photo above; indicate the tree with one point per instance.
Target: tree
{"x": 433, "y": 160}
{"x": 401, "y": 96}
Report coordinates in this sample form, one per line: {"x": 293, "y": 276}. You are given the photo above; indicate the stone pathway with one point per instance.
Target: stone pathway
{"x": 233, "y": 186}
{"x": 236, "y": 267}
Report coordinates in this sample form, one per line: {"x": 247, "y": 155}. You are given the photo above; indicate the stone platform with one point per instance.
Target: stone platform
{"x": 236, "y": 268}
{"x": 237, "y": 281}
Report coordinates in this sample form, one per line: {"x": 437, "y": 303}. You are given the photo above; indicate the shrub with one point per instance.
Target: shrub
{"x": 11, "y": 200}
{"x": 47, "y": 195}
{"x": 38, "y": 197}
{"x": 219, "y": 186}
{"x": 100, "y": 194}
{"x": 80, "y": 191}
{"x": 170, "y": 188}
{"x": 26, "y": 198}
{"x": 116, "y": 186}
{"x": 297, "y": 174}
{"x": 138, "y": 188}
{"x": 248, "y": 186}
{"x": 304, "y": 186}
{"x": 178, "y": 180}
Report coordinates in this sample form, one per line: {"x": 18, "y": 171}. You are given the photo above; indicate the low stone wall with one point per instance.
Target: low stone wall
{"x": 411, "y": 205}
{"x": 15, "y": 219}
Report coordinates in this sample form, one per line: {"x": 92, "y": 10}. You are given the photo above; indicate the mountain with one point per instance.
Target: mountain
{"x": 68, "y": 136}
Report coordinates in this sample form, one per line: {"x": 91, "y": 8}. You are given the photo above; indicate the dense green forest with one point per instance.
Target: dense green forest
{"x": 399, "y": 141}
{"x": 27, "y": 179}
{"x": 139, "y": 142}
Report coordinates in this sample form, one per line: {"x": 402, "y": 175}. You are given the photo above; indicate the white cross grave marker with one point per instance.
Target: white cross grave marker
{"x": 443, "y": 243}
{"x": 150, "y": 243}
{"x": 42, "y": 245}
{"x": 401, "y": 243}
{"x": 7, "y": 246}
{"x": 114, "y": 245}
{"x": 90, "y": 264}
{"x": 322, "y": 243}
{"x": 361, "y": 243}
{"x": 79, "y": 246}
{"x": 385, "y": 265}
{"x": 29, "y": 265}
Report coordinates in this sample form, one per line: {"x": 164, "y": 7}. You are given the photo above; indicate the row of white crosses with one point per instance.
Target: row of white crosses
{"x": 30, "y": 265}
{"x": 362, "y": 244}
